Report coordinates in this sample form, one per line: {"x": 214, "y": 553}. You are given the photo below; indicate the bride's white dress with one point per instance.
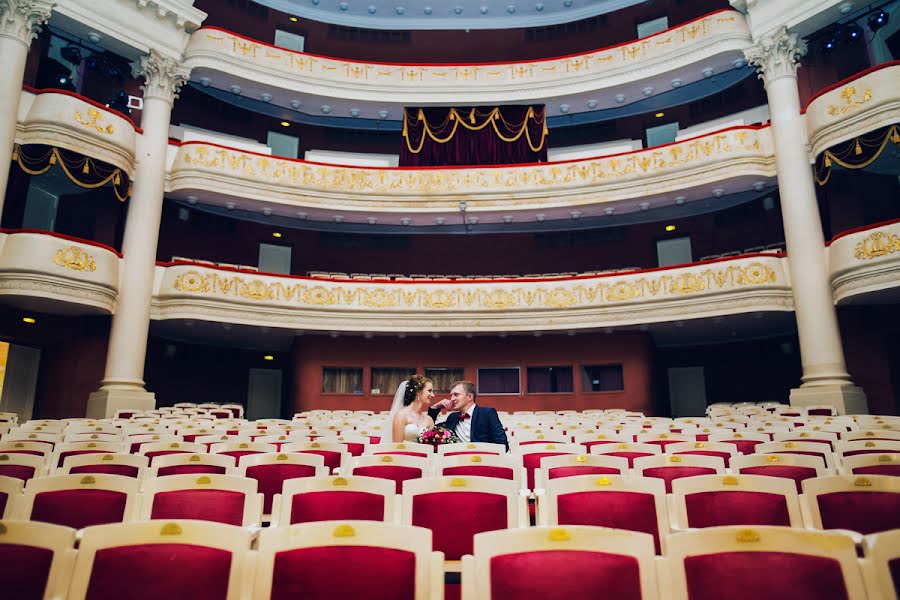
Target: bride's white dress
{"x": 412, "y": 431}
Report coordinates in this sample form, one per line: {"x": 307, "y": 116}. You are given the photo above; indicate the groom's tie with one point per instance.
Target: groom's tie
{"x": 465, "y": 416}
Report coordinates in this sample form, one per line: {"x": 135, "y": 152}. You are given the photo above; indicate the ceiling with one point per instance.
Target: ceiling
{"x": 444, "y": 14}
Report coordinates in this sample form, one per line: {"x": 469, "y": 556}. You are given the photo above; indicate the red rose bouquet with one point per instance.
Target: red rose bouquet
{"x": 437, "y": 436}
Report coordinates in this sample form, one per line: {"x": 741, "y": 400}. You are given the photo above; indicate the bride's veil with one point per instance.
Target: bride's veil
{"x": 396, "y": 405}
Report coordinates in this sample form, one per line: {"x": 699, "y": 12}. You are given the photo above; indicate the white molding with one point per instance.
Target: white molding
{"x": 865, "y": 261}
{"x": 67, "y": 122}
{"x": 716, "y": 40}
{"x": 854, "y": 108}
{"x": 713, "y": 158}
{"x": 743, "y": 285}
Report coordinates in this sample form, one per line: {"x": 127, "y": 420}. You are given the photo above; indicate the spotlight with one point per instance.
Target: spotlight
{"x": 268, "y": 357}
{"x": 853, "y": 33}
{"x": 114, "y": 72}
{"x": 659, "y": 115}
{"x": 276, "y": 234}
{"x": 71, "y": 54}
{"x": 92, "y": 62}
{"x": 294, "y": 19}
{"x": 285, "y": 124}
{"x": 831, "y": 42}
{"x": 29, "y": 320}
{"x": 878, "y": 19}
{"x": 670, "y": 228}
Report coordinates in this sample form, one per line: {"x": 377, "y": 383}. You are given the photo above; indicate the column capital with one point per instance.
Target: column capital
{"x": 776, "y": 55}
{"x": 22, "y": 19}
{"x": 163, "y": 76}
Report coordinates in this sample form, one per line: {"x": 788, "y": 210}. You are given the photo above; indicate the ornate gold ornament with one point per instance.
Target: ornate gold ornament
{"x": 93, "y": 115}
{"x": 848, "y": 95}
{"x": 876, "y": 245}
{"x": 74, "y": 258}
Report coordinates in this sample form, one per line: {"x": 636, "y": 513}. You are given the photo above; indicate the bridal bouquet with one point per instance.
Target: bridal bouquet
{"x": 437, "y": 436}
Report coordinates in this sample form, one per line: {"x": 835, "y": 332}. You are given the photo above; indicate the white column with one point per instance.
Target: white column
{"x": 20, "y": 22}
{"x": 825, "y": 379}
{"x": 123, "y": 381}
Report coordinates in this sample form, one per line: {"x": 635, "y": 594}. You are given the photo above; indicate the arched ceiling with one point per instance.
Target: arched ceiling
{"x": 447, "y": 14}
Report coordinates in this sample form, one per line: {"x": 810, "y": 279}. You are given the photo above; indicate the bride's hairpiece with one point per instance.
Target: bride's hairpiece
{"x": 414, "y": 385}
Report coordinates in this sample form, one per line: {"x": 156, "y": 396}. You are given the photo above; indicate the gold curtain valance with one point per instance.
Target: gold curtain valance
{"x": 474, "y": 120}
{"x": 83, "y": 171}
{"x": 857, "y": 153}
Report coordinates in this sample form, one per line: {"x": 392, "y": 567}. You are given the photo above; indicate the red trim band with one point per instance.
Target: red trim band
{"x": 834, "y": 86}
{"x": 176, "y": 263}
{"x": 62, "y": 236}
{"x": 538, "y": 164}
{"x": 94, "y": 103}
{"x": 474, "y": 64}
{"x": 861, "y": 228}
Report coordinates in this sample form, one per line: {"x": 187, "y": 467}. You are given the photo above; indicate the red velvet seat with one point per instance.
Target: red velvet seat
{"x": 492, "y": 504}
{"x": 35, "y": 560}
{"x": 219, "y": 498}
{"x": 865, "y": 504}
{"x": 272, "y": 470}
{"x": 334, "y": 498}
{"x": 347, "y": 559}
{"x": 79, "y": 501}
{"x": 716, "y": 500}
{"x": 153, "y": 560}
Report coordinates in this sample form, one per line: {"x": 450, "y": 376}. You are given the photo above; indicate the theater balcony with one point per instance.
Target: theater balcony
{"x": 57, "y": 274}
{"x": 865, "y": 264}
{"x": 227, "y": 64}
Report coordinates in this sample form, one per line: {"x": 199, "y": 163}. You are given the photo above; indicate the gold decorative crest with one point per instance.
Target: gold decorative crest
{"x": 876, "y": 245}
{"x": 848, "y": 95}
{"x": 93, "y": 115}
{"x": 74, "y": 258}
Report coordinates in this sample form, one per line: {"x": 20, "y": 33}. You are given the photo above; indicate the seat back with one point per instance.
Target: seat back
{"x": 491, "y": 504}
{"x": 192, "y": 464}
{"x": 114, "y": 463}
{"x": 574, "y": 562}
{"x": 79, "y": 501}
{"x": 618, "y": 501}
{"x": 796, "y": 467}
{"x": 570, "y": 465}
{"x": 220, "y": 498}
{"x": 334, "y": 498}
{"x": 162, "y": 559}
{"x": 669, "y": 467}
{"x": 397, "y": 468}
{"x": 271, "y": 470}
{"x": 310, "y": 560}
{"x": 862, "y": 503}
{"x": 763, "y": 562}
{"x": 22, "y": 466}
{"x": 717, "y": 500}
{"x": 36, "y": 558}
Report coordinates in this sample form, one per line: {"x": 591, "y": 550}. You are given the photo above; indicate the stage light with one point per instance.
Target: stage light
{"x": 276, "y": 234}
{"x": 853, "y": 33}
{"x": 71, "y": 54}
{"x": 670, "y": 228}
{"x": 29, "y": 320}
{"x": 294, "y": 19}
{"x": 659, "y": 115}
{"x": 285, "y": 124}
{"x": 878, "y": 19}
{"x": 829, "y": 44}
{"x": 268, "y": 357}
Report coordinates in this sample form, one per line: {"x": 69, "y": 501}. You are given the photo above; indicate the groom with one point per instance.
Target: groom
{"x": 470, "y": 422}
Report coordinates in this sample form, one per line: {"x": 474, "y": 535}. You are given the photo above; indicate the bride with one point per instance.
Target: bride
{"x": 409, "y": 411}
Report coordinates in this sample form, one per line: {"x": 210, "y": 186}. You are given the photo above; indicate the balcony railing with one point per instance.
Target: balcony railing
{"x": 726, "y": 154}
{"x": 865, "y": 261}
{"x": 67, "y": 274}
{"x": 726, "y": 286}
{"x": 719, "y": 35}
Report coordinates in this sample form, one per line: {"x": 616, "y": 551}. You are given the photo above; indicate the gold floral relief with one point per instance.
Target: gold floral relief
{"x": 93, "y": 115}
{"x": 74, "y": 258}
{"x": 876, "y": 245}
{"x": 690, "y": 153}
{"x": 599, "y": 291}
{"x": 686, "y": 35}
{"x": 851, "y": 102}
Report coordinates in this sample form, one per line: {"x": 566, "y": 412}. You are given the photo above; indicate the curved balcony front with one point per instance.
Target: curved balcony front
{"x": 590, "y": 81}
{"x": 54, "y": 273}
{"x": 733, "y": 159}
{"x": 865, "y": 264}
{"x": 67, "y": 120}
{"x": 750, "y": 283}
{"x": 862, "y": 103}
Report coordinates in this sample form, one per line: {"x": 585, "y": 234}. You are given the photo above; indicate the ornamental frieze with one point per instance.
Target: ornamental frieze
{"x": 74, "y": 258}
{"x": 216, "y": 42}
{"x": 716, "y": 147}
{"x": 492, "y": 297}
{"x": 876, "y": 245}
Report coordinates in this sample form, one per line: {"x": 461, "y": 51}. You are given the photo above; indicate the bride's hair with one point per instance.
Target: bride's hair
{"x": 414, "y": 385}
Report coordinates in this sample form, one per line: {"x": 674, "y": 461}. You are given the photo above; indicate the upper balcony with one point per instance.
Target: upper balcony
{"x": 865, "y": 264}
{"x": 730, "y": 160}
{"x": 606, "y": 78}
{"x": 867, "y": 101}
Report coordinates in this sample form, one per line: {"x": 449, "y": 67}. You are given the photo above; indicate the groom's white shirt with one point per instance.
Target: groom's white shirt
{"x": 464, "y": 428}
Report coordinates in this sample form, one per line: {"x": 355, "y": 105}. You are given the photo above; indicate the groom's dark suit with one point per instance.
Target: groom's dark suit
{"x": 485, "y": 425}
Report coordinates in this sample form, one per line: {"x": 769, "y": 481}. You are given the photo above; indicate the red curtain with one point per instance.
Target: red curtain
{"x": 482, "y": 135}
